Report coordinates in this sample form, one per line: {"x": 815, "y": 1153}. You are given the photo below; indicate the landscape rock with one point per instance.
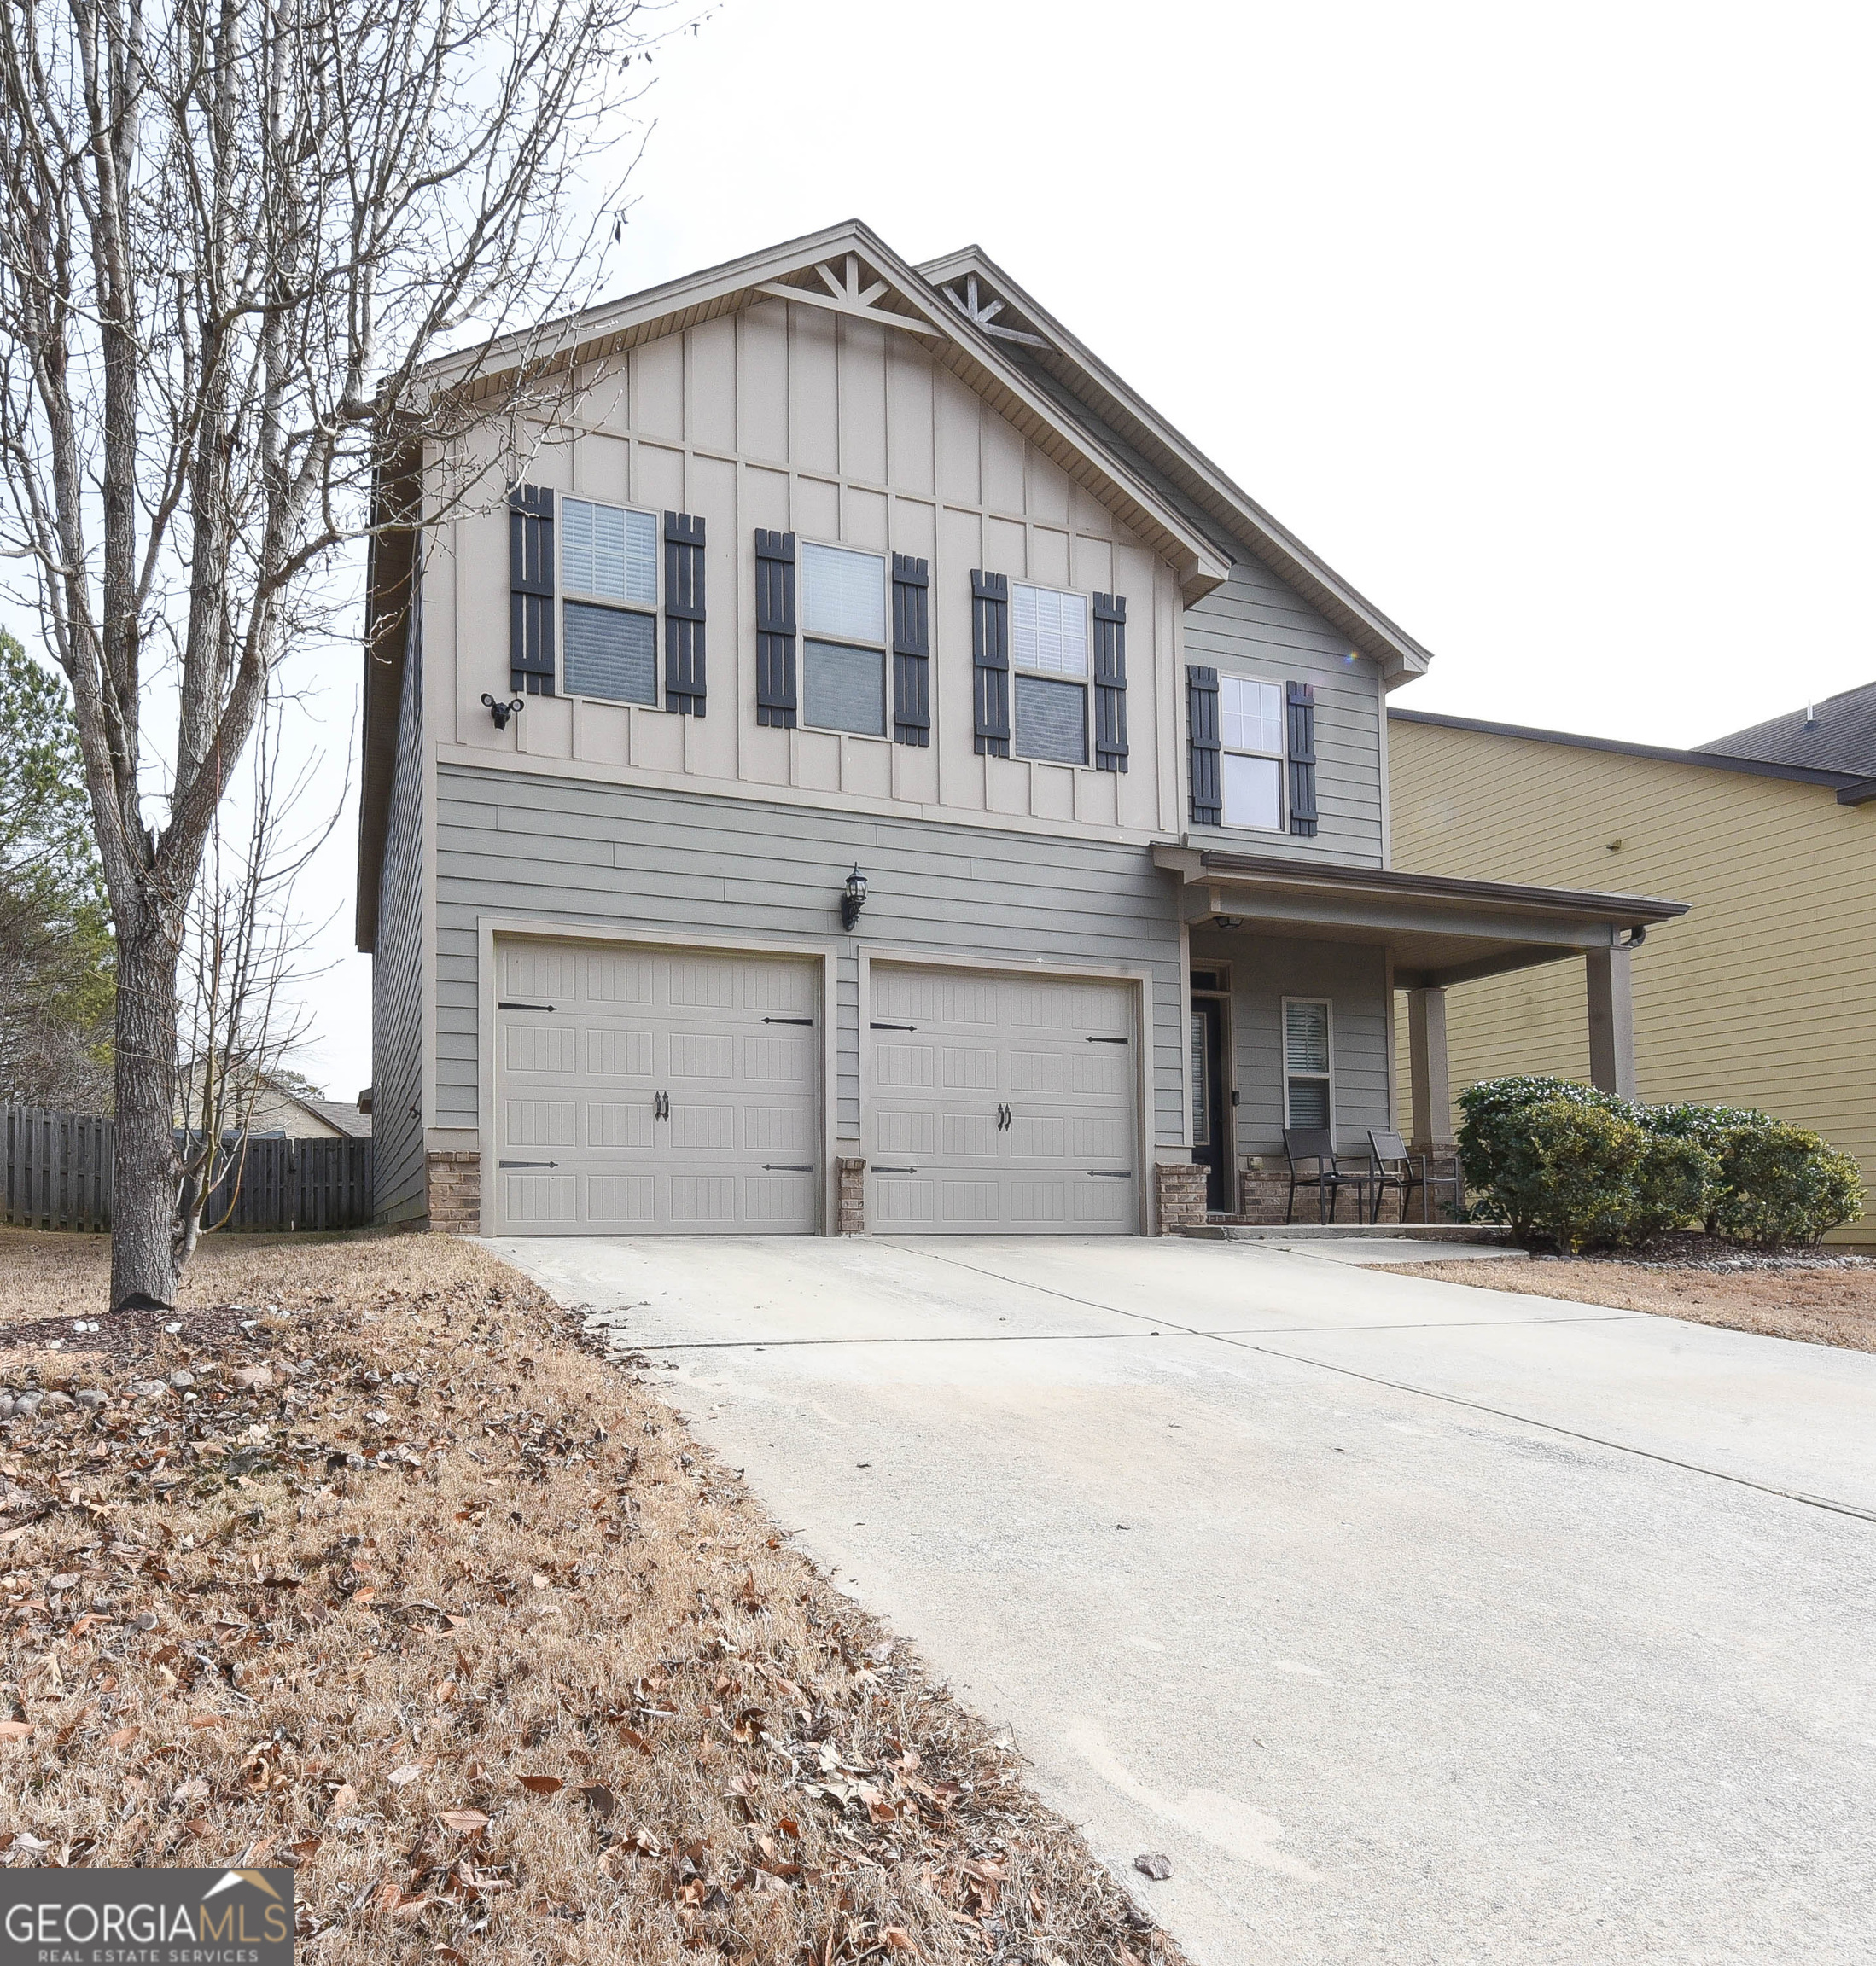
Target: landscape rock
{"x": 58, "y": 1402}
{"x": 253, "y": 1378}
{"x": 179, "y": 1380}
{"x": 28, "y": 1404}
{"x": 89, "y": 1398}
{"x": 148, "y": 1389}
{"x": 6, "y": 1405}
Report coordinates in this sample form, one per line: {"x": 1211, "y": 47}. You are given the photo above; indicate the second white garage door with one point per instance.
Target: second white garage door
{"x": 650, "y": 1091}
{"x": 1002, "y": 1104}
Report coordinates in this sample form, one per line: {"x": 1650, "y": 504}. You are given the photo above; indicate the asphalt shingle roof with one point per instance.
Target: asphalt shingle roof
{"x": 1843, "y": 737}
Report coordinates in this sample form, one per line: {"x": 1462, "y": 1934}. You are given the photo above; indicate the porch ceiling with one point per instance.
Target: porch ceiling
{"x": 1438, "y": 930}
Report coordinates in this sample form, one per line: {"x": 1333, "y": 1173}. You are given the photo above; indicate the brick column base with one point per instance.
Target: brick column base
{"x": 1179, "y": 1190}
{"x": 850, "y": 1219}
{"x": 454, "y": 1182}
{"x": 1263, "y": 1195}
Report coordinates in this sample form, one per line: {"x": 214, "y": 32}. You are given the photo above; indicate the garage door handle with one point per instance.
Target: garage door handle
{"x": 661, "y": 1105}
{"x": 528, "y": 1163}
{"x": 502, "y": 1004}
{"x": 788, "y": 1019}
{"x": 787, "y": 1167}
{"x": 1112, "y": 1173}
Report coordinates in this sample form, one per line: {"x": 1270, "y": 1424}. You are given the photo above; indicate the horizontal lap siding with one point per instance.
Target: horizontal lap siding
{"x": 396, "y": 969}
{"x": 593, "y": 855}
{"x": 1264, "y": 970}
{"x": 1760, "y": 997}
{"x": 1253, "y": 626}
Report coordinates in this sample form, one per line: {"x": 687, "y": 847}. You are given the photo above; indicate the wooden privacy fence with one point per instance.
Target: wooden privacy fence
{"x": 57, "y": 1175}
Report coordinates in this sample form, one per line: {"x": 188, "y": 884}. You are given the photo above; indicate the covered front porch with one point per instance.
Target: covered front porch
{"x": 1293, "y": 979}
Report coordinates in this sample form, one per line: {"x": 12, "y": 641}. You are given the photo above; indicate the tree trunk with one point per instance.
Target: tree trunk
{"x": 143, "y": 1183}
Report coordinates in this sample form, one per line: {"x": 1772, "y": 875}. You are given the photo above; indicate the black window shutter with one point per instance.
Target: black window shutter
{"x": 531, "y": 590}
{"x": 774, "y": 630}
{"x": 684, "y": 673}
{"x": 1202, "y": 745}
{"x": 1302, "y": 758}
{"x": 990, "y": 660}
{"x": 1110, "y": 681}
{"x": 912, "y": 651}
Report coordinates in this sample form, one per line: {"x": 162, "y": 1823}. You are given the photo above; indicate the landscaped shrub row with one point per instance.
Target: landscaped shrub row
{"x": 1565, "y": 1164}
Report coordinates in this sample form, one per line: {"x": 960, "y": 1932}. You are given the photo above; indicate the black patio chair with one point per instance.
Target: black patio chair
{"x": 1305, "y": 1146}
{"x": 1395, "y": 1169}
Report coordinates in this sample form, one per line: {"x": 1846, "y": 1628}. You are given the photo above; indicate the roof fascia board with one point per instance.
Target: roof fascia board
{"x": 1708, "y": 760}
{"x": 973, "y": 356}
{"x": 1401, "y": 656}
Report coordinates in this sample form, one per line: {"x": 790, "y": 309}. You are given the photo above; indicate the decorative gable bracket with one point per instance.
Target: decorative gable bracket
{"x": 845, "y": 295}
{"x": 983, "y": 311}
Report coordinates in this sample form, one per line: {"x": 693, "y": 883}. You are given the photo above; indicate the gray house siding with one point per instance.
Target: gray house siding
{"x": 584, "y": 855}
{"x": 1264, "y": 970}
{"x": 396, "y": 967}
{"x": 1254, "y": 626}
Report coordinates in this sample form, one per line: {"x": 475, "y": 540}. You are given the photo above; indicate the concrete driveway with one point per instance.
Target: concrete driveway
{"x": 1415, "y": 1622}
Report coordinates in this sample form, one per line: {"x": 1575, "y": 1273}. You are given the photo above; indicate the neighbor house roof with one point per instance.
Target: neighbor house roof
{"x": 1838, "y": 735}
{"x": 1852, "y": 788}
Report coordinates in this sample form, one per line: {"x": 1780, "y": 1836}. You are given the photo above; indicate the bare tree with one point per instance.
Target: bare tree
{"x": 242, "y": 1016}
{"x": 234, "y": 235}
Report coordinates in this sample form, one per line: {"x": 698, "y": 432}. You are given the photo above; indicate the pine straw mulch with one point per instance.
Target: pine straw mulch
{"x": 1830, "y": 1304}
{"x": 454, "y": 1619}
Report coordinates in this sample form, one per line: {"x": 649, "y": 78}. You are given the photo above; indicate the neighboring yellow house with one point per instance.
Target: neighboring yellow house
{"x": 1765, "y": 993}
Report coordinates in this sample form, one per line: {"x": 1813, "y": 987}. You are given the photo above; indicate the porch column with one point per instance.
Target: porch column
{"x": 1611, "y": 1022}
{"x": 1427, "y": 1063}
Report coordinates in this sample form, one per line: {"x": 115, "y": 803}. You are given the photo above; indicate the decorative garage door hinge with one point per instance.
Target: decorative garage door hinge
{"x": 504, "y": 1004}
{"x": 528, "y": 1163}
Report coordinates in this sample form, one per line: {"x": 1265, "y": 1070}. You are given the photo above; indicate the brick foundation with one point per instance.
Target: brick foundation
{"x": 455, "y": 1186}
{"x": 850, "y": 1197}
{"x": 1180, "y": 1190}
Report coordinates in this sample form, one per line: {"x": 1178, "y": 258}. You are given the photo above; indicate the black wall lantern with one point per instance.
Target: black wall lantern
{"x": 854, "y": 899}
{"x": 502, "y": 712}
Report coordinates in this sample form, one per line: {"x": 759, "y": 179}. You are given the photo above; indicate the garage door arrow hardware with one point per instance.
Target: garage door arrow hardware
{"x": 528, "y": 1163}
{"x": 1112, "y": 1173}
{"x": 895, "y": 1170}
{"x": 787, "y": 1021}
{"x": 787, "y": 1167}
{"x": 502, "y": 1004}
{"x": 1110, "y": 1040}
{"x": 892, "y": 1026}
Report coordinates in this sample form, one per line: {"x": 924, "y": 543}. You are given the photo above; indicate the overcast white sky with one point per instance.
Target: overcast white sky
{"x": 1548, "y": 328}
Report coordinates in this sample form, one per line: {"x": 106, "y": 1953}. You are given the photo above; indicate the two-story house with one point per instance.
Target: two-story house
{"x": 849, "y": 763}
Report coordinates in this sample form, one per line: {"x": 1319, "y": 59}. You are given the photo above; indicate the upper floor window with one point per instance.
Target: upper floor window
{"x": 609, "y": 566}
{"x": 1250, "y": 742}
{"x": 1049, "y": 645}
{"x": 844, "y": 649}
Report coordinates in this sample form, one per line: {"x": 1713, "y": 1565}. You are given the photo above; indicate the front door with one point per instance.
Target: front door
{"x": 1211, "y": 1120}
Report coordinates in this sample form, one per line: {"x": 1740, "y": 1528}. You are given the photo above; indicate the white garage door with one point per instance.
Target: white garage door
{"x": 1002, "y": 1102}
{"x": 643, "y": 1092}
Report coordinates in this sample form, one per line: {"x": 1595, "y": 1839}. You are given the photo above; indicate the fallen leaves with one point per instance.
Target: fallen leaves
{"x": 541, "y": 1784}
{"x": 463, "y": 1821}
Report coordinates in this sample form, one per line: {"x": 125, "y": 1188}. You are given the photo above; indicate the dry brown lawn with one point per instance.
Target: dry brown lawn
{"x": 453, "y": 1618}
{"x": 1821, "y": 1306}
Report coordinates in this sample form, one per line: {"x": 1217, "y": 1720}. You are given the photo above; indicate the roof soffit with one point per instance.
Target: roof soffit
{"x": 847, "y": 270}
{"x": 1050, "y": 348}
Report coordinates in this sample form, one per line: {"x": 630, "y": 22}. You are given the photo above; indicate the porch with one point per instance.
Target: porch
{"x": 1294, "y": 976}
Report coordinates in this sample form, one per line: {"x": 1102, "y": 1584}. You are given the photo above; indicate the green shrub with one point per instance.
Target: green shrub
{"x": 1780, "y": 1184}
{"x": 1676, "y": 1183}
{"x": 1557, "y": 1160}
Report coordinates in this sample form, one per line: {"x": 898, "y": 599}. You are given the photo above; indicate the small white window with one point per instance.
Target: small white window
{"x": 608, "y": 560}
{"x": 843, "y": 648}
{"x": 1250, "y": 762}
{"x": 608, "y": 552}
{"x": 1048, "y": 630}
{"x": 1049, "y": 639}
{"x": 1307, "y": 1062}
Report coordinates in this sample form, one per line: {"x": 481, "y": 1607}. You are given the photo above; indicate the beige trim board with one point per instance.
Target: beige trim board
{"x": 541, "y": 928}
{"x": 1141, "y": 975}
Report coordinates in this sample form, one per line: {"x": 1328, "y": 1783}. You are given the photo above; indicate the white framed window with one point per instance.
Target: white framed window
{"x": 1049, "y": 656}
{"x": 1250, "y": 737}
{"x": 1308, "y": 1063}
{"x": 608, "y": 614}
{"x": 844, "y": 639}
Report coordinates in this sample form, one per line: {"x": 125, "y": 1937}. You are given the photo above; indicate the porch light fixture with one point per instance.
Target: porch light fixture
{"x": 502, "y": 712}
{"x": 853, "y": 899}
{"x": 1228, "y": 920}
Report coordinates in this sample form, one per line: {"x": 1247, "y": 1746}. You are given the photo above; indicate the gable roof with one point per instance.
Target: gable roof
{"x": 847, "y": 269}
{"x": 1838, "y": 735}
{"x": 1852, "y": 789}
{"x": 1124, "y": 424}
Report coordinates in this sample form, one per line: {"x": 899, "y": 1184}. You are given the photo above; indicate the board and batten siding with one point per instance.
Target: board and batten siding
{"x": 396, "y": 964}
{"x": 1759, "y": 996}
{"x": 1264, "y": 970}
{"x": 1253, "y": 626}
{"x": 788, "y": 418}
{"x": 583, "y": 856}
